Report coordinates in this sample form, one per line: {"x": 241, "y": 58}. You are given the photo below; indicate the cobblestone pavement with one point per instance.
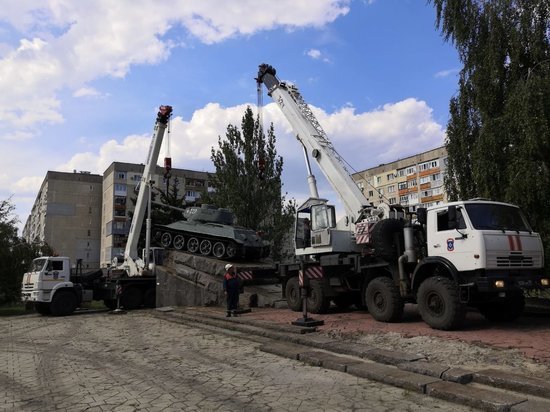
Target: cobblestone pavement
{"x": 134, "y": 362}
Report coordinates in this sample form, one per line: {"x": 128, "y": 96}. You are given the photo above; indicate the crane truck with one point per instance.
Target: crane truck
{"x": 443, "y": 258}
{"x": 130, "y": 282}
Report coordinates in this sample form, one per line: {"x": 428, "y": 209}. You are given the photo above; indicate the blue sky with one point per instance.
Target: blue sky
{"x": 81, "y": 81}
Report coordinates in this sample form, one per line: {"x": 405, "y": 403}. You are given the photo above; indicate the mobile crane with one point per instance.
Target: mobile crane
{"x": 130, "y": 281}
{"x": 444, "y": 258}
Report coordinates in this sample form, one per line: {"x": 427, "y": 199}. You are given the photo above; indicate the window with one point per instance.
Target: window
{"x": 390, "y": 176}
{"x": 436, "y": 176}
{"x": 378, "y": 179}
{"x": 89, "y": 232}
{"x": 381, "y": 192}
{"x": 434, "y": 163}
{"x": 401, "y": 172}
{"x": 411, "y": 183}
{"x": 392, "y": 200}
{"x": 121, "y": 175}
{"x": 391, "y": 189}
{"x": 55, "y": 265}
{"x": 426, "y": 193}
{"x": 136, "y": 178}
{"x": 402, "y": 185}
{"x": 443, "y": 220}
{"x": 424, "y": 179}
{"x": 371, "y": 193}
{"x": 404, "y": 199}
{"x": 411, "y": 170}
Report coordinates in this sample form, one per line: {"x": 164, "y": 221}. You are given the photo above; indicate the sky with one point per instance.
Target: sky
{"x": 82, "y": 81}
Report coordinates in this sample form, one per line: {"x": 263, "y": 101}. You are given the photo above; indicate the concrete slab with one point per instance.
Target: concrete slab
{"x": 531, "y": 406}
{"x": 516, "y": 382}
{"x": 392, "y": 376}
{"x": 424, "y": 368}
{"x": 286, "y": 350}
{"x": 458, "y": 375}
{"x": 391, "y": 357}
{"x": 481, "y": 398}
{"x": 328, "y": 360}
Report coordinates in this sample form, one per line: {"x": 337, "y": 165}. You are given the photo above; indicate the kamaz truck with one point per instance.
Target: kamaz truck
{"x": 57, "y": 286}
{"x": 444, "y": 258}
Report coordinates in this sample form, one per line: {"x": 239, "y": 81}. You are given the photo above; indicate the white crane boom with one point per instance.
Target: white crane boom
{"x": 315, "y": 141}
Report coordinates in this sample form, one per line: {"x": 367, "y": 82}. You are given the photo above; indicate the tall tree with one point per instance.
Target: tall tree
{"x": 15, "y": 254}
{"x": 498, "y": 136}
{"x": 248, "y": 180}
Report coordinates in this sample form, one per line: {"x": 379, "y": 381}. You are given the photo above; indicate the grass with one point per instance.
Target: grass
{"x": 13, "y": 309}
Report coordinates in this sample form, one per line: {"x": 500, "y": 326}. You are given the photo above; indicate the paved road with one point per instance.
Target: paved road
{"x": 135, "y": 362}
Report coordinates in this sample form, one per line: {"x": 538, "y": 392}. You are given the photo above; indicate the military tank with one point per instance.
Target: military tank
{"x": 209, "y": 231}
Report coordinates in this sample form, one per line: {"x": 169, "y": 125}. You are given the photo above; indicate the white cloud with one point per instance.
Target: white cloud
{"x": 317, "y": 55}
{"x": 68, "y": 44}
{"x": 89, "y": 92}
{"x": 446, "y": 73}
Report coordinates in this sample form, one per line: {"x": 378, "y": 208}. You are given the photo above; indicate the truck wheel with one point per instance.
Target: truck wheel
{"x": 385, "y": 233}
{"x": 317, "y": 302}
{"x": 439, "y": 303}
{"x": 504, "y": 310}
{"x": 110, "y": 303}
{"x": 292, "y": 293}
{"x": 42, "y": 308}
{"x": 383, "y": 300}
{"x": 63, "y": 303}
{"x": 149, "y": 298}
{"x": 131, "y": 298}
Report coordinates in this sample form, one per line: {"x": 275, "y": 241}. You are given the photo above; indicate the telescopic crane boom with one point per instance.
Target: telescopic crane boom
{"x": 131, "y": 256}
{"x": 315, "y": 141}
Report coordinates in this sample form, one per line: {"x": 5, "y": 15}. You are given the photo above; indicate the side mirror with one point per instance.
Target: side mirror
{"x": 422, "y": 215}
{"x": 452, "y": 217}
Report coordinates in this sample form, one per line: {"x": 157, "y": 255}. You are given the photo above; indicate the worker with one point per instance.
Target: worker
{"x": 231, "y": 288}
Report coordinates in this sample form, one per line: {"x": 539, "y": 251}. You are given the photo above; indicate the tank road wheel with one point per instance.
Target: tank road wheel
{"x": 179, "y": 241}
{"x": 193, "y": 245}
{"x": 439, "y": 303}
{"x": 383, "y": 300}
{"x": 205, "y": 247}
{"x": 166, "y": 239}
{"x": 231, "y": 250}
{"x": 63, "y": 303}
{"x": 292, "y": 294}
{"x": 317, "y": 302}
{"x": 218, "y": 250}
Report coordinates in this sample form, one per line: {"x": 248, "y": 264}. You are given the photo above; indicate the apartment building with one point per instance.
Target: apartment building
{"x": 411, "y": 182}
{"x": 120, "y": 182}
{"x": 67, "y": 215}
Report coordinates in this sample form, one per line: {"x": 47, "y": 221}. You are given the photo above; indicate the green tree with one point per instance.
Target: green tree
{"x": 15, "y": 254}
{"x": 498, "y": 136}
{"x": 248, "y": 180}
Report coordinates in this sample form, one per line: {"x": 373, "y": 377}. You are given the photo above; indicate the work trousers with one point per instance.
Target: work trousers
{"x": 232, "y": 300}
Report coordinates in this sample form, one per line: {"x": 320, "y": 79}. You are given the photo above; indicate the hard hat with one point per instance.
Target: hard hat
{"x": 228, "y": 266}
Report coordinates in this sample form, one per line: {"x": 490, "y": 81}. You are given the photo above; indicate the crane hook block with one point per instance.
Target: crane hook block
{"x": 164, "y": 114}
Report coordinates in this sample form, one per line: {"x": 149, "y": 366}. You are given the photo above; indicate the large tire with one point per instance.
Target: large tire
{"x": 63, "y": 303}
{"x": 504, "y": 310}
{"x": 292, "y": 294}
{"x": 150, "y": 298}
{"x": 317, "y": 302}
{"x": 383, "y": 300}
{"x": 439, "y": 303}
{"x": 43, "y": 308}
{"x": 384, "y": 237}
{"x": 131, "y": 298}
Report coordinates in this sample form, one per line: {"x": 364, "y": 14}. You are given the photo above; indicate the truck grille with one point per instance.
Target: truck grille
{"x": 515, "y": 261}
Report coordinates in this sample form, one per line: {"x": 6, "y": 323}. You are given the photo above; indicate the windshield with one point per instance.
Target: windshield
{"x": 497, "y": 217}
{"x": 38, "y": 264}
